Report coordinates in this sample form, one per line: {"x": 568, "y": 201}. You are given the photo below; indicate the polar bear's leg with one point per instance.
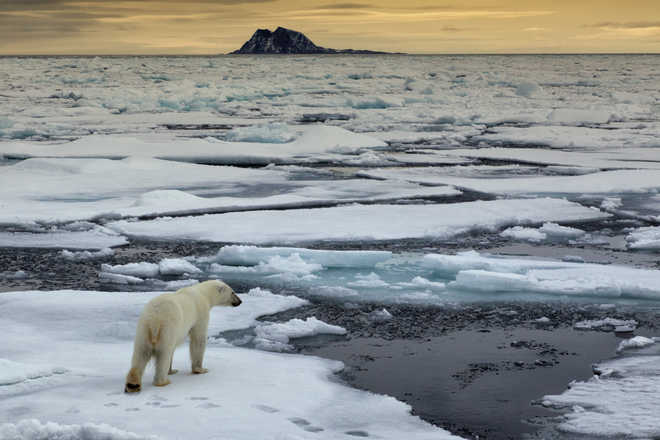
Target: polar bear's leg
{"x": 141, "y": 357}
{"x": 163, "y": 363}
{"x": 198, "y": 346}
{"x": 172, "y": 371}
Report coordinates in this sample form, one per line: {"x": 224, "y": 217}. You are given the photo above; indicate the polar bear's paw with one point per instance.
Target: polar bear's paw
{"x": 199, "y": 370}
{"x": 162, "y": 383}
{"x": 172, "y": 371}
{"x": 132, "y": 388}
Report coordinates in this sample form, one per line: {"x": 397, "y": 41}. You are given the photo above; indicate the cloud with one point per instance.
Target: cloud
{"x": 344, "y": 6}
{"x": 627, "y": 25}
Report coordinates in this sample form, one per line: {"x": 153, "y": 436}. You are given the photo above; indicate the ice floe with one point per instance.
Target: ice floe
{"x": 61, "y": 190}
{"x": 90, "y": 335}
{"x": 87, "y": 255}
{"x": 474, "y": 272}
{"x": 644, "y": 238}
{"x": 635, "y": 342}
{"x": 607, "y": 182}
{"x": 377, "y": 222}
{"x": 618, "y": 402}
{"x": 276, "y": 336}
{"x": 310, "y": 146}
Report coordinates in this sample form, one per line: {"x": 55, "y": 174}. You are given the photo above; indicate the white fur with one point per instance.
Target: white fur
{"x": 166, "y": 321}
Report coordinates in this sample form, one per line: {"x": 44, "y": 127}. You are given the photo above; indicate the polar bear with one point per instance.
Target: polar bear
{"x": 166, "y": 321}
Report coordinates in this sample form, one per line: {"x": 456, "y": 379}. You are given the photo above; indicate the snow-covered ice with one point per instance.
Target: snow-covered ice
{"x": 606, "y": 182}
{"x": 618, "y": 402}
{"x": 644, "y": 238}
{"x": 635, "y": 342}
{"x": 87, "y": 339}
{"x": 276, "y": 336}
{"x": 357, "y": 222}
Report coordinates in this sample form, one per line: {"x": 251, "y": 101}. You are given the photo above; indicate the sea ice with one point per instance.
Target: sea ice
{"x": 276, "y": 336}
{"x": 354, "y": 223}
{"x": 90, "y": 335}
{"x": 644, "y": 238}
{"x": 521, "y": 233}
{"x": 474, "y": 272}
{"x": 87, "y": 255}
{"x": 606, "y": 182}
{"x": 605, "y": 324}
{"x": 635, "y": 342}
{"x": 252, "y": 255}
{"x": 176, "y": 266}
{"x": 621, "y": 402}
{"x": 93, "y": 239}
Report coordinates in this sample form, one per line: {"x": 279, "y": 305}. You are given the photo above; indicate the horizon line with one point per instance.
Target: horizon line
{"x": 7, "y": 55}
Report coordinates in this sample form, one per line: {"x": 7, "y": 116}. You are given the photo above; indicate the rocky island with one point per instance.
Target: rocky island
{"x": 287, "y": 41}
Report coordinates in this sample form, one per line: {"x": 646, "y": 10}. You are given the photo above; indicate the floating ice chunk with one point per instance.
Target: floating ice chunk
{"x": 86, "y": 255}
{"x": 256, "y": 303}
{"x": 573, "y": 259}
{"x": 275, "y": 337}
{"x": 521, "y": 233}
{"x": 380, "y": 315}
{"x": 143, "y": 269}
{"x": 14, "y": 372}
{"x": 371, "y": 280}
{"x": 116, "y": 278}
{"x": 555, "y": 230}
{"x": 32, "y": 429}
{"x": 292, "y": 264}
{"x": 636, "y": 342}
{"x": 253, "y": 255}
{"x": 176, "y": 266}
{"x": 273, "y": 133}
{"x": 495, "y": 274}
{"x": 606, "y": 324}
{"x": 543, "y": 320}
{"x": 422, "y": 282}
{"x": 621, "y": 405}
{"x": 644, "y": 238}
{"x": 611, "y": 203}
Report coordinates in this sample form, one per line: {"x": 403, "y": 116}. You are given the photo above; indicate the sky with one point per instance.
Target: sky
{"x": 412, "y": 26}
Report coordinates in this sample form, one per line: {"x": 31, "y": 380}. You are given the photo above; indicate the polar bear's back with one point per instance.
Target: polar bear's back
{"x": 171, "y": 315}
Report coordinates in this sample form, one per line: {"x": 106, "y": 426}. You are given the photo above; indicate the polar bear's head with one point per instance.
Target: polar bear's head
{"x": 222, "y": 294}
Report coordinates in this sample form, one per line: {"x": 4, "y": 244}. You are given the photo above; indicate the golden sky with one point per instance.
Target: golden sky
{"x": 413, "y": 26}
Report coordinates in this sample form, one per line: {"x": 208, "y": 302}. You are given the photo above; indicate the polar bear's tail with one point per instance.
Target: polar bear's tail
{"x": 154, "y": 336}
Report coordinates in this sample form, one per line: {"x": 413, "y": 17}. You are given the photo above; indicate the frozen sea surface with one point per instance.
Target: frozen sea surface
{"x": 375, "y": 177}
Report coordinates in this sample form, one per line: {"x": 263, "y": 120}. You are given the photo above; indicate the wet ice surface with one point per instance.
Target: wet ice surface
{"x": 411, "y": 202}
